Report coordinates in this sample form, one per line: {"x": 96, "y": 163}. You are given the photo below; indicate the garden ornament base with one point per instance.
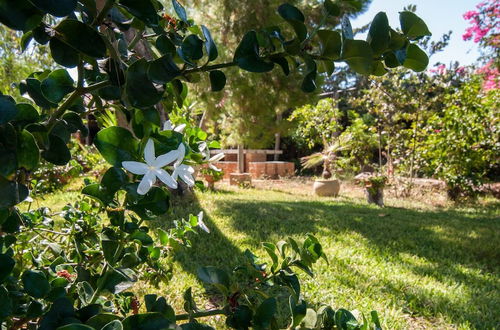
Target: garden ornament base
{"x": 325, "y": 188}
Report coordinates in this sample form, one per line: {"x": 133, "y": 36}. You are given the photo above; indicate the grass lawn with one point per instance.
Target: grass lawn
{"x": 418, "y": 265}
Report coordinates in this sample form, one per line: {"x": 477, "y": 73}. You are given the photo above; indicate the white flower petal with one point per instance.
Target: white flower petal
{"x": 166, "y": 178}
{"x": 215, "y": 168}
{"x": 167, "y": 126}
{"x": 202, "y": 146}
{"x": 146, "y": 183}
{"x": 201, "y": 224}
{"x": 166, "y": 159}
{"x": 180, "y": 128}
{"x": 149, "y": 152}
{"x": 217, "y": 157}
{"x": 136, "y": 167}
{"x": 182, "y": 152}
{"x": 187, "y": 177}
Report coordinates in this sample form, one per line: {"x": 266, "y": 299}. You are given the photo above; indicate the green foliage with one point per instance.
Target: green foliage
{"x": 86, "y": 265}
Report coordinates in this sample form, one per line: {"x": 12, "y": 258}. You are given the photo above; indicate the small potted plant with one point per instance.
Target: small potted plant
{"x": 211, "y": 176}
{"x": 374, "y": 187}
{"x": 328, "y": 185}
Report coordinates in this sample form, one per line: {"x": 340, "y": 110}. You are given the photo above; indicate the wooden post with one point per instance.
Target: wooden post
{"x": 241, "y": 159}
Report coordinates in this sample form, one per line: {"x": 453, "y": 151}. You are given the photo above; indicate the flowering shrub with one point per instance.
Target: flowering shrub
{"x": 132, "y": 57}
{"x": 484, "y": 29}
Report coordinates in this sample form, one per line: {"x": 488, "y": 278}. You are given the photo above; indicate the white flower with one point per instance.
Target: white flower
{"x": 201, "y": 224}
{"x": 152, "y": 169}
{"x": 183, "y": 171}
{"x": 169, "y": 127}
{"x": 210, "y": 160}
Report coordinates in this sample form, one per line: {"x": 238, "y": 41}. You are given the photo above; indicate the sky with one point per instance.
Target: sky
{"x": 441, "y": 16}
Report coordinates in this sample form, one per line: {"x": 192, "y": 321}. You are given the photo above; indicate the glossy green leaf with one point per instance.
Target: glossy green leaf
{"x": 81, "y": 37}
{"x": 343, "y": 317}
{"x": 241, "y": 318}
{"x": 113, "y": 325}
{"x": 217, "y": 80}
{"x": 6, "y": 309}
{"x": 28, "y": 154}
{"x": 413, "y": 26}
{"x": 58, "y": 8}
{"x": 26, "y": 114}
{"x": 11, "y": 193}
{"x": 416, "y": 58}
{"x": 333, "y": 9}
{"x": 6, "y": 266}
{"x": 142, "y": 237}
{"x": 283, "y": 63}
{"x": 148, "y": 321}
{"x": 8, "y": 109}
{"x": 63, "y": 54}
{"x": 117, "y": 280}
{"x": 180, "y": 11}
{"x": 58, "y": 152}
{"x": 35, "y": 283}
{"x": 156, "y": 202}
{"x": 397, "y": 40}
{"x": 75, "y": 123}
{"x": 192, "y": 47}
{"x": 289, "y": 12}
{"x": 19, "y": 15}
{"x": 114, "y": 179}
{"x": 379, "y": 69}
{"x": 41, "y": 34}
{"x": 116, "y": 145}
{"x": 210, "y": 46}
{"x": 196, "y": 326}
{"x": 309, "y": 82}
{"x": 57, "y": 85}
{"x": 247, "y": 55}
{"x": 139, "y": 88}
{"x": 330, "y": 44}
{"x": 390, "y": 60}
{"x": 143, "y": 10}
{"x": 165, "y": 45}
{"x": 163, "y": 70}
{"x": 264, "y": 314}
{"x": 75, "y": 326}
{"x": 26, "y": 40}
{"x": 33, "y": 88}
{"x": 379, "y": 35}
{"x": 359, "y": 55}
{"x": 213, "y": 275}
{"x": 101, "y": 320}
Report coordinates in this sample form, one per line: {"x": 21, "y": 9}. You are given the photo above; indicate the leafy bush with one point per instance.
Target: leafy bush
{"x": 75, "y": 275}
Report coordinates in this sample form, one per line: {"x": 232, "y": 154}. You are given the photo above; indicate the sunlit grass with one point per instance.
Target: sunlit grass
{"x": 419, "y": 266}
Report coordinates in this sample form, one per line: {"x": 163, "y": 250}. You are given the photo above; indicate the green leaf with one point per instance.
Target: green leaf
{"x": 378, "y": 35}
{"x": 139, "y": 88}
{"x": 75, "y": 326}
{"x": 379, "y": 69}
{"x": 165, "y": 45}
{"x": 413, "y": 26}
{"x": 213, "y": 275}
{"x": 163, "y": 236}
{"x": 114, "y": 179}
{"x": 397, "y": 40}
{"x": 192, "y": 47}
{"x": 142, "y": 237}
{"x": 210, "y": 46}
{"x": 241, "y": 318}
{"x": 330, "y": 44}
{"x": 75, "y": 123}
{"x": 217, "y": 80}
{"x": 28, "y": 154}
{"x": 6, "y": 266}
{"x": 26, "y": 40}
{"x": 58, "y": 8}
{"x": 101, "y": 320}
{"x": 6, "y": 309}
{"x": 343, "y": 317}
{"x": 41, "y": 34}
{"x": 57, "y": 85}
{"x": 298, "y": 311}
{"x": 247, "y": 55}
{"x": 148, "y": 321}
{"x": 8, "y": 109}
{"x": 155, "y": 202}
{"x": 58, "y": 152}
{"x": 116, "y": 145}
{"x": 180, "y": 11}
{"x": 390, "y": 60}
{"x": 117, "y": 280}
{"x": 26, "y": 114}
{"x": 283, "y": 63}
{"x": 63, "y": 54}
{"x": 416, "y": 58}
{"x": 309, "y": 82}
{"x": 195, "y": 326}
{"x": 358, "y": 55}
{"x": 143, "y": 10}
{"x": 19, "y": 15}
{"x": 81, "y": 37}
{"x": 347, "y": 32}
{"x": 264, "y": 314}
{"x": 11, "y": 193}
{"x": 310, "y": 320}
{"x": 331, "y": 8}
{"x": 163, "y": 70}
{"x": 289, "y": 12}
{"x": 113, "y": 325}
{"x": 35, "y": 283}
{"x": 33, "y": 87}
{"x": 109, "y": 249}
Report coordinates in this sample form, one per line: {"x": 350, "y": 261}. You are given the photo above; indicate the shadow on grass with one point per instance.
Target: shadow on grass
{"x": 447, "y": 239}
